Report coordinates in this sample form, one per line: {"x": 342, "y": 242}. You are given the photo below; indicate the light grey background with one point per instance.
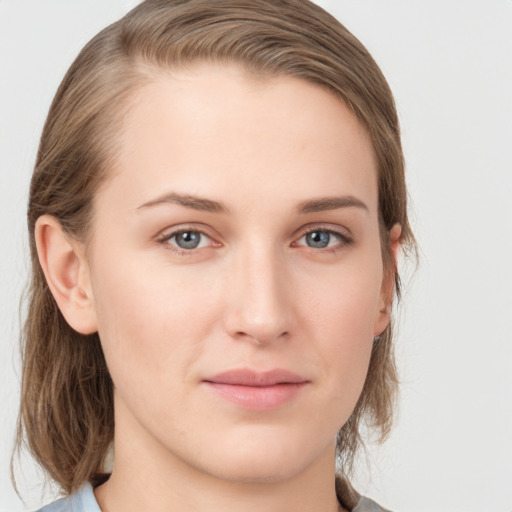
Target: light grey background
{"x": 449, "y": 65}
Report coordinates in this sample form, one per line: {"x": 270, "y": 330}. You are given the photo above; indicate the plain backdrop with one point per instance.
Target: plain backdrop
{"x": 449, "y": 65}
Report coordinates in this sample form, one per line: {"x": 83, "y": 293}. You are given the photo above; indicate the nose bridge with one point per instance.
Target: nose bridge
{"x": 260, "y": 308}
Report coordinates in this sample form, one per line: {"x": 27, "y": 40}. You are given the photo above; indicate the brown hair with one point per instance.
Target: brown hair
{"x": 66, "y": 414}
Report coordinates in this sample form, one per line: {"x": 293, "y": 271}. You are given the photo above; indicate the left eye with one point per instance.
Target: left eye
{"x": 320, "y": 239}
{"x": 188, "y": 239}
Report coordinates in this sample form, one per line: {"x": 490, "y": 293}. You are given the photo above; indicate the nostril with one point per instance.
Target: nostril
{"x": 261, "y": 338}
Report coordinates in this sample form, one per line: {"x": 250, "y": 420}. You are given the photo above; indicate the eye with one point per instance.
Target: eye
{"x": 323, "y": 238}
{"x": 186, "y": 240}
{"x": 318, "y": 239}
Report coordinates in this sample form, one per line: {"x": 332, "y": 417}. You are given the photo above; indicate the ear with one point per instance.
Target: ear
{"x": 67, "y": 274}
{"x": 388, "y": 281}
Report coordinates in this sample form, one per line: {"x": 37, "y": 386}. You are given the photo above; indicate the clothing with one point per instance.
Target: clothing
{"x": 84, "y": 501}
{"x": 81, "y": 501}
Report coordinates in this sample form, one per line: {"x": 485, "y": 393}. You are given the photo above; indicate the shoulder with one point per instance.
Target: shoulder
{"x": 82, "y": 500}
{"x": 367, "y": 505}
{"x": 351, "y": 500}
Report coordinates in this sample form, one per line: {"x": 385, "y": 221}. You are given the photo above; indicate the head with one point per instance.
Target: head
{"x": 161, "y": 55}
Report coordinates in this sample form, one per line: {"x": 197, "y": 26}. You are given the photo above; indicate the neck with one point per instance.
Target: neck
{"x": 146, "y": 476}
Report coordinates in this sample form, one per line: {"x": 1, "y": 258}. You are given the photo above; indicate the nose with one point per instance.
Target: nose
{"x": 259, "y": 307}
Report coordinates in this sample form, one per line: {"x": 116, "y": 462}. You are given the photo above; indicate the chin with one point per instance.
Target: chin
{"x": 269, "y": 461}
{"x": 255, "y": 472}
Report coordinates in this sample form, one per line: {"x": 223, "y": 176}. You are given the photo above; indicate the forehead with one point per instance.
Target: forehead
{"x": 215, "y": 130}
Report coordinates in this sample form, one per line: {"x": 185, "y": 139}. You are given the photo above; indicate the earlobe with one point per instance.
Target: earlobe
{"x": 388, "y": 284}
{"x": 66, "y": 272}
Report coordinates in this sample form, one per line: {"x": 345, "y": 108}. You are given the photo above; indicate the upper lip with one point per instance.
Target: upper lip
{"x": 248, "y": 377}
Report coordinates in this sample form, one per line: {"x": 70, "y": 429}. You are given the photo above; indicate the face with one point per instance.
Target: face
{"x": 236, "y": 273}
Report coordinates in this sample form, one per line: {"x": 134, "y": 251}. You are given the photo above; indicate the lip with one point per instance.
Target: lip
{"x": 257, "y": 391}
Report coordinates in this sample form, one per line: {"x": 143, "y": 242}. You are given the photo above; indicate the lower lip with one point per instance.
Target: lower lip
{"x": 258, "y": 398}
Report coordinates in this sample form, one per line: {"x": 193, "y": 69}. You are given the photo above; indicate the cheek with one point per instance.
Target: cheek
{"x": 146, "y": 322}
{"x": 347, "y": 341}
{"x": 345, "y": 300}
{"x": 339, "y": 312}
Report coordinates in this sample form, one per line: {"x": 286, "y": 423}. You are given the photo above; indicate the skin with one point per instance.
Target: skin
{"x": 254, "y": 294}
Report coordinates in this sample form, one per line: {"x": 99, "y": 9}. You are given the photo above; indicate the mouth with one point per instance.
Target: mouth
{"x": 257, "y": 391}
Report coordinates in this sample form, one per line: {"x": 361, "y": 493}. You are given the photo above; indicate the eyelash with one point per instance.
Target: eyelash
{"x": 165, "y": 238}
{"x": 343, "y": 237}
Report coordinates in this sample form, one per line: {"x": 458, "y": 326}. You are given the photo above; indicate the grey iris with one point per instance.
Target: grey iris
{"x": 318, "y": 239}
{"x": 188, "y": 239}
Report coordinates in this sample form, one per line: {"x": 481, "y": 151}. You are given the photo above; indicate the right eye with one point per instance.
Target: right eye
{"x": 185, "y": 240}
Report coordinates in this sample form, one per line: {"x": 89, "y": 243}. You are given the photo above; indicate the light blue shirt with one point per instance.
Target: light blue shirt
{"x": 81, "y": 501}
{"x": 84, "y": 501}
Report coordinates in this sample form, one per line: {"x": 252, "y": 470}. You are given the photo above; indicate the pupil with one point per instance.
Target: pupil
{"x": 188, "y": 239}
{"x": 318, "y": 239}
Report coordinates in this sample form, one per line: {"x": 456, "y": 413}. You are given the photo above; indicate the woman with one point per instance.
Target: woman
{"x": 215, "y": 215}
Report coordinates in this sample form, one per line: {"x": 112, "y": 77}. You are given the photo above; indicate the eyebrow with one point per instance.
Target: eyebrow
{"x": 208, "y": 205}
{"x": 331, "y": 203}
{"x": 195, "y": 202}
